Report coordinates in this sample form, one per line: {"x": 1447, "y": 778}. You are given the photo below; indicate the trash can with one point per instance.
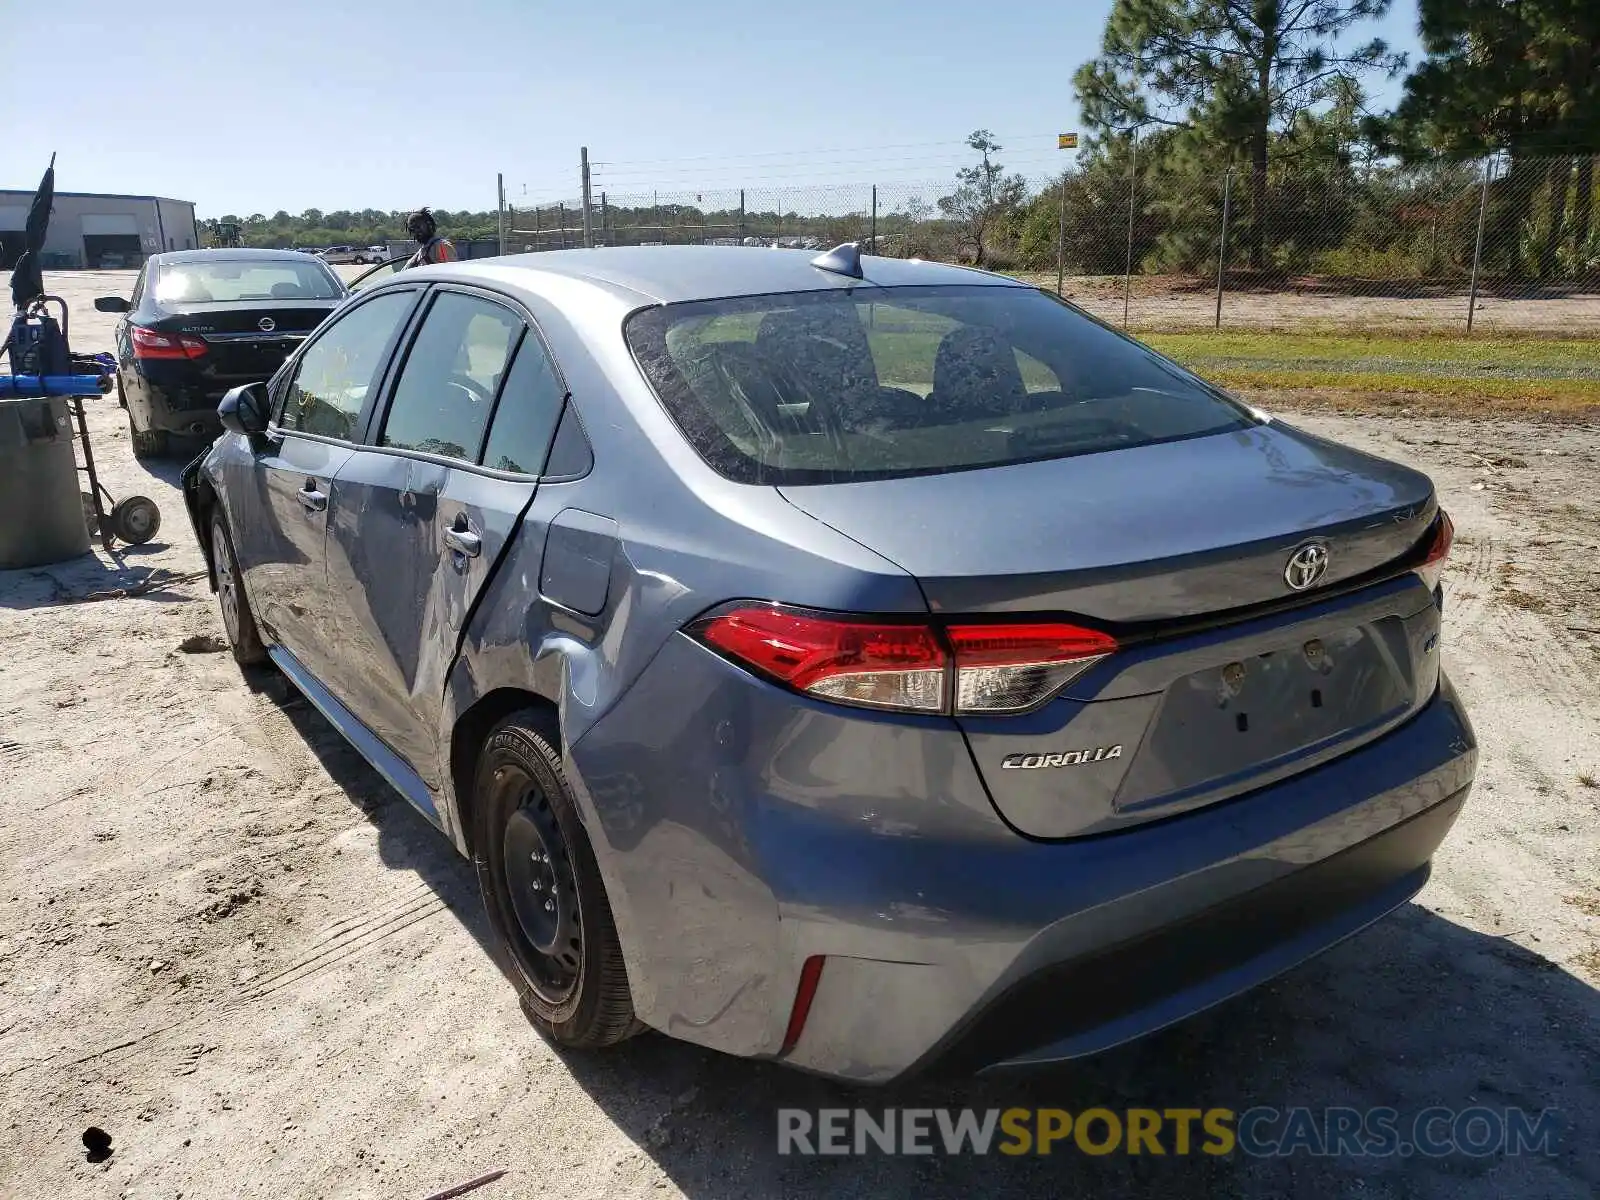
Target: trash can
{"x": 41, "y": 508}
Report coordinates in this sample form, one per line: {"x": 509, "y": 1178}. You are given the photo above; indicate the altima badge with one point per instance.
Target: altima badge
{"x": 1069, "y": 758}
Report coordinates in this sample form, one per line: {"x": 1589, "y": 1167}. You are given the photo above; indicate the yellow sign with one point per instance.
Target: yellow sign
{"x": 1066, "y": 141}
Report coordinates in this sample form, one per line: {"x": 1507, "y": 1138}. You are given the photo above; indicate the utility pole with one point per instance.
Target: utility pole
{"x": 500, "y": 208}
{"x": 588, "y": 201}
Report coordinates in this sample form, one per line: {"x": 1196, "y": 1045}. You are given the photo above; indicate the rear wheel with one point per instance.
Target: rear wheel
{"x": 237, "y": 619}
{"x": 542, "y": 888}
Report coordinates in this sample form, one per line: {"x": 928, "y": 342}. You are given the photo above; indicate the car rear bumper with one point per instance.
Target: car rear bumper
{"x": 950, "y": 941}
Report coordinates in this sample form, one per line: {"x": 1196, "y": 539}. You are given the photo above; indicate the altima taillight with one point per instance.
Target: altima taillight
{"x": 147, "y": 343}
{"x": 1432, "y": 565}
{"x": 905, "y": 666}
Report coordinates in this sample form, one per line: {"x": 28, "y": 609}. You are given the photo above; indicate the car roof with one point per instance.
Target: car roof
{"x": 672, "y": 274}
{"x": 222, "y": 252}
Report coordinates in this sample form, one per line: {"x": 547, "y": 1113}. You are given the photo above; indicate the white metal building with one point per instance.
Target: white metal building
{"x": 90, "y": 229}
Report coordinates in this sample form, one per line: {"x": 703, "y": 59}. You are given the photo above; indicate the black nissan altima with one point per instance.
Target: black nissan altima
{"x": 203, "y": 321}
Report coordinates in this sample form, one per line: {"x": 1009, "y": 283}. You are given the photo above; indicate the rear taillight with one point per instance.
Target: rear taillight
{"x": 857, "y": 662}
{"x": 1432, "y": 565}
{"x": 147, "y": 343}
{"x": 1006, "y": 668}
{"x": 907, "y": 667}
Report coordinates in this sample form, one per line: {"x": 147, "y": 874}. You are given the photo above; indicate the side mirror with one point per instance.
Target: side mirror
{"x": 116, "y": 304}
{"x": 244, "y": 410}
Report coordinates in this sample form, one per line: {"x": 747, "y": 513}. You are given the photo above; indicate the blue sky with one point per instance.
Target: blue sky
{"x": 293, "y": 104}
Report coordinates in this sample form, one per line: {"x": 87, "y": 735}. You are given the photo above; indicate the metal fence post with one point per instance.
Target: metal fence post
{"x": 1061, "y": 236}
{"x": 605, "y": 239}
{"x": 1222, "y": 243}
{"x": 741, "y": 216}
{"x": 1477, "y": 249}
{"x": 588, "y": 196}
{"x": 500, "y": 208}
{"x": 1127, "y": 266}
{"x": 874, "y": 228}
{"x": 561, "y": 217}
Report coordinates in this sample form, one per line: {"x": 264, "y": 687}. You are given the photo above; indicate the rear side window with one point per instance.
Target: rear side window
{"x": 447, "y": 387}
{"x": 525, "y": 419}
{"x": 872, "y": 383}
{"x": 337, "y": 371}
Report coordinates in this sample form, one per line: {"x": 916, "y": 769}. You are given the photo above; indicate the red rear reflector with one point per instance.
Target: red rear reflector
{"x": 835, "y": 658}
{"x": 1432, "y": 565}
{"x": 810, "y": 976}
{"x": 147, "y": 343}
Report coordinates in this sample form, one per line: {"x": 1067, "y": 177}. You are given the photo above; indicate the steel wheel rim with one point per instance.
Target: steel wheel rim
{"x": 227, "y": 587}
{"x": 137, "y": 519}
{"x": 543, "y": 894}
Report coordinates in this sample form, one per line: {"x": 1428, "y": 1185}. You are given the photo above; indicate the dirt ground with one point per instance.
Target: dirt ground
{"x": 226, "y": 942}
{"x": 1173, "y": 302}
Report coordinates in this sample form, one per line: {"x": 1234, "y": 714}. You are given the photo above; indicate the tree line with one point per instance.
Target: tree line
{"x": 1259, "y": 107}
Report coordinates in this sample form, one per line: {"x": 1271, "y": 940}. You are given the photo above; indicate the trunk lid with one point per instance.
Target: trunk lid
{"x": 1163, "y": 532}
{"x": 1227, "y": 678}
{"x": 239, "y": 350}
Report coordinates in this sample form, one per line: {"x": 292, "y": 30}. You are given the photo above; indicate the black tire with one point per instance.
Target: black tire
{"x": 238, "y": 622}
{"x": 135, "y": 520}
{"x": 122, "y": 396}
{"x": 557, "y": 941}
{"x": 147, "y": 443}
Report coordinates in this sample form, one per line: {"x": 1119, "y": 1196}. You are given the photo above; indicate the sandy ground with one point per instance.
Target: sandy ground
{"x": 1172, "y": 302}
{"x": 227, "y": 943}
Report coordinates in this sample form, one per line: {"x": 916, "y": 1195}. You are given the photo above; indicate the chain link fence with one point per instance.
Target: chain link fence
{"x": 1496, "y": 245}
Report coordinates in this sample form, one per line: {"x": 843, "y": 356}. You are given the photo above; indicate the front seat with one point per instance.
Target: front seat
{"x": 976, "y": 375}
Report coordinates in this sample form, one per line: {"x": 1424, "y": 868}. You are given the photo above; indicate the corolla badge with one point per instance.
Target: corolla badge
{"x": 1306, "y": 566}
{"x": 1068, "y": 758}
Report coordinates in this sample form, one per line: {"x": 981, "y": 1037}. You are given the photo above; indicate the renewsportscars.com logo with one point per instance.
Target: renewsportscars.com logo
{"x": 1258, "y": 1132}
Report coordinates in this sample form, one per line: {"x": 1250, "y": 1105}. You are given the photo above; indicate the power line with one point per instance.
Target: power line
{"x": 836, "y": 150}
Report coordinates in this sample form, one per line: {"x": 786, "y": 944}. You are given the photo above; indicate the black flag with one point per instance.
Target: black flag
{"x": 27, "y": 279}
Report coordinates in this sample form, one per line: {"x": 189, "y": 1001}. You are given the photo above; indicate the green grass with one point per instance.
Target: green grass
{"x": 1509, "y": 374}
{"x": 1463, "y": 353}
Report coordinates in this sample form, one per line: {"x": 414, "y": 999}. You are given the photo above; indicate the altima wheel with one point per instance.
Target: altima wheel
{"x": 237, "y": 619}
{"x": 542, "y": 888}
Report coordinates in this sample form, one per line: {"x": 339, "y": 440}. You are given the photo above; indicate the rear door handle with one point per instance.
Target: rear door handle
{"x": 460, "y": 538}
{"x": 312, "y": 499}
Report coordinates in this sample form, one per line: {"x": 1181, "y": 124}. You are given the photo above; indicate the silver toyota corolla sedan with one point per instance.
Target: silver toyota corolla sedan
{"x": 864, "y": 664}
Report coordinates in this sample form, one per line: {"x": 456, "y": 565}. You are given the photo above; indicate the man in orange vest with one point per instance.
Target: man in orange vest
{"x": 431, "y": 247}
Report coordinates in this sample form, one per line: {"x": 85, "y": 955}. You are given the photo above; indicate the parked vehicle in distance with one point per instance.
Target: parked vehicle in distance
{"x": 203, "y": 321}
{"x": 344, "y": 255}
{"x": 857, "y": 663}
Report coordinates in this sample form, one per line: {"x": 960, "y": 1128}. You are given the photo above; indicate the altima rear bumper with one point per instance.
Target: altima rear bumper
{"x": 952, "y": 941}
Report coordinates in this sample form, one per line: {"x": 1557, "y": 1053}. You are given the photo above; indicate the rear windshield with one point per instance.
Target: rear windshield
{"x": 223, "y": 280}
{"x": 873, "y": 383}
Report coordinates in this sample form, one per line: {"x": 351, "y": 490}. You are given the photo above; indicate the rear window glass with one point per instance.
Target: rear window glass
{"x": 225, "y": 281}
{"x": 825, "y": 387}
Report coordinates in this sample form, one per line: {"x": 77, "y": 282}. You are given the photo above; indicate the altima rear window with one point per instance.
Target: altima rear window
{"x": 228, "y": 280}
{"x": 866, "y": 383}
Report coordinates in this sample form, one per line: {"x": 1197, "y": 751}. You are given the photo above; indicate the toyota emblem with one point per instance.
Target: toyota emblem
{"x": 266, "y": 324}
{"x": 1307, "y": 565}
